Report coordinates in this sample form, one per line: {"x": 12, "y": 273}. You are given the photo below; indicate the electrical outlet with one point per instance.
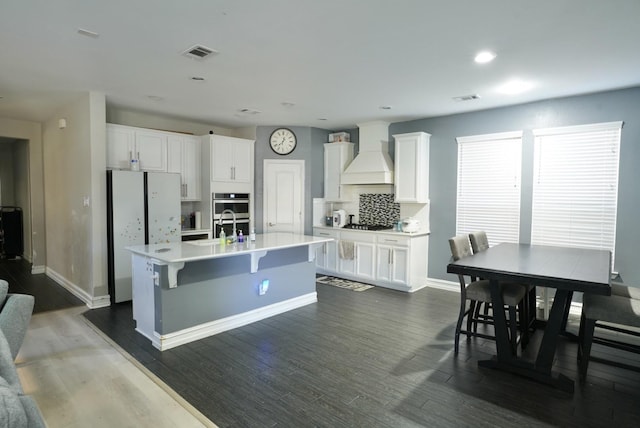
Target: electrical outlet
{"x": 263, "y": 287}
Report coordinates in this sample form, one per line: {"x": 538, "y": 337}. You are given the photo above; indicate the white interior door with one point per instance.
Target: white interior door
{"x": 283, "y": 196}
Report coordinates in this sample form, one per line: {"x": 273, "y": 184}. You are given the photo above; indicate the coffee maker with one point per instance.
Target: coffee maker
{"x": 339, "y": 218}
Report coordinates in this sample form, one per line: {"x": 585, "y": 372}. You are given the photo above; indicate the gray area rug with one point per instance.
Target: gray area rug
{"x": 343, "y": 283}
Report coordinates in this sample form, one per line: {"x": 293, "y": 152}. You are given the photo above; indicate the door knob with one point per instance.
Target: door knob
{"x": 271, "y": 224}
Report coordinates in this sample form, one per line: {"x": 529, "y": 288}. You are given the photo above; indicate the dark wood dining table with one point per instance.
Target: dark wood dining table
{"x": 567, "y": 270}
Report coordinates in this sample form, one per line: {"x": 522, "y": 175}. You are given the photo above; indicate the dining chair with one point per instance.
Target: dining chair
{"x": 622, "y": 309}
{"x": 526, "y": 309}
{"x": 478, "y": 291}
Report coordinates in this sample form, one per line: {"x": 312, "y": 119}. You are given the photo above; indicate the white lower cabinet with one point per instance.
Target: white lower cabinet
{"x": 327, "y": 254}
{"x": 393, "y": 260}
{"x": 358, "y": 254}
{"x": 384, "y": 259}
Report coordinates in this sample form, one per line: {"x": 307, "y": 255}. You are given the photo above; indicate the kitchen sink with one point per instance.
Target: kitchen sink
{"x": 202, "y": 242}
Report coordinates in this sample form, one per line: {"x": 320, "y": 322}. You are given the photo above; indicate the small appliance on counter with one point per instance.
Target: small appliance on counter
{"x": 339, "y": 218}
{"x": 410, "y": 225}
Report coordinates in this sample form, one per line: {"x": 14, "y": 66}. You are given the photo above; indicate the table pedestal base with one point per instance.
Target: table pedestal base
{"x": 557, "y": 380}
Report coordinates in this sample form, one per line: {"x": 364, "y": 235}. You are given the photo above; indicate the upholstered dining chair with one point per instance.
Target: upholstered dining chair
{"x": 478, "y": 291}
{"x": 622, "y": 309}
{"x": 526, "y": 309}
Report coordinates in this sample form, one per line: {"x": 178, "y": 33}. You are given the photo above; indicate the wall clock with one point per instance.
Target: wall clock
{"x": 283, "y": 141}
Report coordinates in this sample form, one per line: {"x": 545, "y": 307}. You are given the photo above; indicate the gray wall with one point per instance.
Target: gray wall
{"x": 602, "y": 107}
{"x": 310, "y": 149}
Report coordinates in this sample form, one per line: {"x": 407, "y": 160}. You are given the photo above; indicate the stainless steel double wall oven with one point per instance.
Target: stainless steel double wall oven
{"x": 236, "y": 202}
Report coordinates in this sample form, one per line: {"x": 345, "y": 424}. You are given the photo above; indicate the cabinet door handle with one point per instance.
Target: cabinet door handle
{"x": 130, "y": 156}
{"x": 271, "y": 224}
{"x": 138, "y": 154}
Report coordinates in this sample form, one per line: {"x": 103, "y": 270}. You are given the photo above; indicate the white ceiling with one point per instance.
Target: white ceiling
{"x": 338, "y": 60}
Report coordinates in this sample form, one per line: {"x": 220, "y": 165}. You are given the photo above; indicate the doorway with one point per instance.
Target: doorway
{"x": 283, "y": 190}
{"x": 14, "y": 187}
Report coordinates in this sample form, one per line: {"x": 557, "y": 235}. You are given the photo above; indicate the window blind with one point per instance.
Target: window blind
{"x": 488, "y": 193}
{"x": 575, "y": 186}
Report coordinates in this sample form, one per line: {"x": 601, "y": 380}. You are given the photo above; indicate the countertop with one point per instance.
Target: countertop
{"x": 179, "y": 252}
{"x": 380, "y": 232}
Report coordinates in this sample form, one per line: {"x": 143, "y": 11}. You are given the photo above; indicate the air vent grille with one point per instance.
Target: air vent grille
{"x": 467, "y": 97}
{"x": 199, "y": 52}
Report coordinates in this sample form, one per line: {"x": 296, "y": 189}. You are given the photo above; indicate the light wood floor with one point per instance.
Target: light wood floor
{"x": 79, "y": 379}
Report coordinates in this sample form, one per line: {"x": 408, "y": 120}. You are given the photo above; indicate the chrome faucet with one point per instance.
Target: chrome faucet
{"x": 233, "y": 232}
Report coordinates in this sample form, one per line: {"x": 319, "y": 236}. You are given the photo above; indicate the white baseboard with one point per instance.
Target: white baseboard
{"x": 91, "y": 302}
{"x": 37, "y": 269}
{"x": 443, "y": 285}
{"x": 171, "y": 340}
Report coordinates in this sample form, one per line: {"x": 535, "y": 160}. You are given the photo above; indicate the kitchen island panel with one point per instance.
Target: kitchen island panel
{"x": 214, "y": 289}
{"x": 217, "y": 294}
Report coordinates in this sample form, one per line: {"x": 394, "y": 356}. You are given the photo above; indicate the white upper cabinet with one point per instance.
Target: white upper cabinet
{"x": 184, "y": 158}
{"x": 411, "y": 170}
{"x": 337, "y": 156}
{"x": 120, "y": 146}
{"x": 231, "y": 159}
{"x": 147, "y": 146}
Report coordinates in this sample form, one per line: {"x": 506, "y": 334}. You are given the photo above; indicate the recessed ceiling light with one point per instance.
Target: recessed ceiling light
{"x": 155, "y": 97}
{"x": 288, "y": 104}
{"x": 385, "y": 107}
{"x": 322, "y": 118}
{"x": 467, "y": 97}
{"x": 88, "y": 33}
{"x": 249, "y": 111}
{"x": 515, "y": 86}
{"x": 197, "y": 78}
{"x": 484, "y": 57}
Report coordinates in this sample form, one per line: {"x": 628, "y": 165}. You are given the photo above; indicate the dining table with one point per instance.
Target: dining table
{"x": 565, "y": 269}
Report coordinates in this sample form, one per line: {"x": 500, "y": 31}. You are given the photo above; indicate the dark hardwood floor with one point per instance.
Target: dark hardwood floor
{"x": 377, "y": 358}
{"x": 49, "y": 296}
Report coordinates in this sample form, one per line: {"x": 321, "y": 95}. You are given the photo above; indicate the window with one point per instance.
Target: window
{"x": 575, "y": 186}
{"x": 488, "y": 195}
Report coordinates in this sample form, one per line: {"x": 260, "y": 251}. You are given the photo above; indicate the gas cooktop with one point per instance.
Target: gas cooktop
{"x": 367, "y": 226}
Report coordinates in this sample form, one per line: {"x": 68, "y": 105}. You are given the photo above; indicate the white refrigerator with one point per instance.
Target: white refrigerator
{"x": 142, "y": 208}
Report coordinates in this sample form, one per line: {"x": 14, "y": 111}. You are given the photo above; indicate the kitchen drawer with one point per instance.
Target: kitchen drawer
{"x": 327, "y": 233}
{"x": 358, "y": 237}
{"x": 400, "y": 241}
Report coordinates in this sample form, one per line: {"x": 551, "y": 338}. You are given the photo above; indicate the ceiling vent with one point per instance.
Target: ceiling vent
{"x": 199, "y": 52}
{"x": 467, "y": 97}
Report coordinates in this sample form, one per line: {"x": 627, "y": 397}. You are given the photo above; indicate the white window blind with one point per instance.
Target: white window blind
{"x": 575, "y": 186}
{"x": 488, "y": 195}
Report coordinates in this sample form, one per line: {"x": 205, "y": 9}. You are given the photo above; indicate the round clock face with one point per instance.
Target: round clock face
{"x": 282, "y": 141}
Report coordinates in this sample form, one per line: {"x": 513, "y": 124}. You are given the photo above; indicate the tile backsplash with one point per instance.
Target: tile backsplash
{"x": 378, "y": 208}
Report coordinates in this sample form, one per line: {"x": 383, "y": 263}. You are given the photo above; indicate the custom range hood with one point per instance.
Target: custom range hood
{"x": 373, "y": 164}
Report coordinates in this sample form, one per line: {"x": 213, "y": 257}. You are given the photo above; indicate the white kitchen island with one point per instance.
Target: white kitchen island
{"x": 189, "y": 290}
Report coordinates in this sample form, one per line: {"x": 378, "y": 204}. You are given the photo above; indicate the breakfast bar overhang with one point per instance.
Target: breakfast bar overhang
{"x": 194, "y": 289}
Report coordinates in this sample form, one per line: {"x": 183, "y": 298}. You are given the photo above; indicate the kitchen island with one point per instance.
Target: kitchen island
{"x": 189, "y": 290}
